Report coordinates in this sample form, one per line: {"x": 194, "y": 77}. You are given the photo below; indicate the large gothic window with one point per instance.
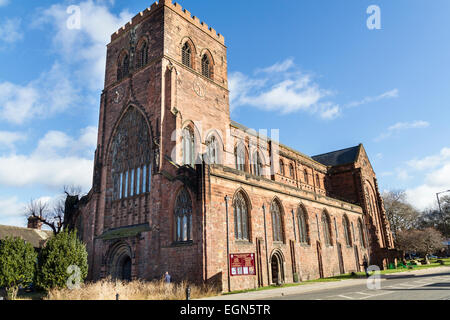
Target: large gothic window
{"x": 361, "y": 233}
{"x": 291, "y": 171}
{"x": 142, "y": 54}
{"x": 131, "y": 156}
{"x": 123, "y": 67}
{"x": 188, "y": 147}
{"x": 240, "y": 157}
{"x": 241, "y": 222}
{"x": 257, "y": 164}
{"x": 326, "y": 229}
{"x": 302, "y": 225}
{"x": 206, "y": 66}
{"x": 282, "y": 167}
{"x": 183, "y": 217}
{"x": 186, "y": 55}
{"x": 277, "y": 225}
{"x": 212, "y": 150}
{"x": 346, "y": 226}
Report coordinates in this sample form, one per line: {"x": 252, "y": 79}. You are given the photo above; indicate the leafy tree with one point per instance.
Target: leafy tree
{"x": 401, "y": 215}
{"x": 61, "y": 252}
{"x": 17, "y": 265}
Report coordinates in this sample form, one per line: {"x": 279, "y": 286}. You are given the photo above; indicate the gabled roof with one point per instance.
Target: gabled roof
{"x": 340, "y": 157}
{"x": 37, "y": 238}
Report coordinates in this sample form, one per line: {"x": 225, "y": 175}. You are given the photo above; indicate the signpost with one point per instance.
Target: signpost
{"x": 242, "y": 264}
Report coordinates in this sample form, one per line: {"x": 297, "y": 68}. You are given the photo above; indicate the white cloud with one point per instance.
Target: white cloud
{"x": 12, "y": 212}
{"x": 8, "y": 139}
{"x": 400, "y": 126}
{"x": 9, "y": 30}
{"x": 86, "y": 46}
{"x": 4, "y": 3}
{"x": 278, "y": 67}
{"x": 58, "y": 160}
{"x": 387, "y": 95}
{"x": 280, "y": 88}
{"x": 53, "y": 92}
{"x": 430, "y": 161}
{"x": 436, "y": 178}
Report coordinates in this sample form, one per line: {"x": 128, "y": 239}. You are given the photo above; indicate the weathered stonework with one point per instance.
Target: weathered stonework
{"x": 136, "y": 234}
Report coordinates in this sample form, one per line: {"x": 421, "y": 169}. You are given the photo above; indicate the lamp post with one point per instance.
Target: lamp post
{"x": 440, "y": 210}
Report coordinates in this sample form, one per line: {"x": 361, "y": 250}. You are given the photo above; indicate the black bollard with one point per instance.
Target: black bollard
{"x": 188, "y": 293}
{"x": 117, "y": 297}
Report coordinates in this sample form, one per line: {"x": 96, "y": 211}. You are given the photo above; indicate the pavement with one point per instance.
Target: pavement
{"x": 425, "y": 284}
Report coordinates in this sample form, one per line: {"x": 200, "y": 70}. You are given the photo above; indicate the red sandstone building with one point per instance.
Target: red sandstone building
{"x": 179, "y": 187}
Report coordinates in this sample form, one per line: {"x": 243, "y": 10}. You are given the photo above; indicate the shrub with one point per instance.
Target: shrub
{"x": 17, "y": 265}
{"x": 61, "y": 252}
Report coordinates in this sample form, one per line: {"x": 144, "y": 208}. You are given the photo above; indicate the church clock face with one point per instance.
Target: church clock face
{"x": 118, "y": 95}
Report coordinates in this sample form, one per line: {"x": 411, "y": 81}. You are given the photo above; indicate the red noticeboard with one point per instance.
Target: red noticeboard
{"x": 242, "y": 264}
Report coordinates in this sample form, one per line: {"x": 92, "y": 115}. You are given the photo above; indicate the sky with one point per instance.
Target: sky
{"x": 313, "y": 69}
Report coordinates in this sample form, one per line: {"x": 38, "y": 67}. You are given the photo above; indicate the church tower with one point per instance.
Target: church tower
{"x": 165, "y": 85}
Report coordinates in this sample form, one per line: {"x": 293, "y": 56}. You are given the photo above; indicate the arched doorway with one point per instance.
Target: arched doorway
{"x": 120, "y": 262}
{"x": 277, "y": 268}
{"x": 126, "y": 269}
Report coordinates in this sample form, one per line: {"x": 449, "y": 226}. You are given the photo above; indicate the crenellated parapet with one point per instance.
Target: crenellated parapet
{"x": 176, "y": 8}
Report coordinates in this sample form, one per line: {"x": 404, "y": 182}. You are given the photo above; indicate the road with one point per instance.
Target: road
{"x": 425, "y": 284}
{"x": 429, "y": 286}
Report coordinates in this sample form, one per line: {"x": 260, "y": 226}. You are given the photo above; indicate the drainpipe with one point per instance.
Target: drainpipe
{"x": 228, "y": 245}
{"x": 267, "y": 253}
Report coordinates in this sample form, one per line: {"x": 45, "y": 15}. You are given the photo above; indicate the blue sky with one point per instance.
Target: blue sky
{"x": 309, "y": 68}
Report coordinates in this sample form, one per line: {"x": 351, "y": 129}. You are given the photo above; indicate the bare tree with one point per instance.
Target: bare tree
{"x": 401, "y": 215}
{"x": 431, "y": 241}
{"x": 425, "y": 241}
{"x": 55, "y": 215}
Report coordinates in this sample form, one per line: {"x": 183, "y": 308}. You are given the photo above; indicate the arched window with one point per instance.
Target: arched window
{"x": 188, "y": 147}
{"x": 130, "y": 151}
{"x": 183, "y": 217}
{"x": 142, "y": 54}
{"x": 123, "y": 67}
{"x": 291, "y": 171}
{"x": 361, "y": 233}
{"x": 206, "y": 66}
{"x": 241, "y": 222}
{"x": 277, "y": 225}
{"x": 302, "y": 225}
{"x": 317, "y": 181}
{"x": 282, "y": 167}
{"x": 305, "y": 176}
{"x": 346, "y": 226}
{"x": 257, "y": 164}
{"x": 212, "y": 150}
{"x": 186, "y": 55}
{"x": 326, "y": 229}
{"x": 240, "y": 157}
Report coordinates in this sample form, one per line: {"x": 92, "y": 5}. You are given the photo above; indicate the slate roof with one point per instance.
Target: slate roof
{"x": 125, "y": 232}
{"x": 37, "y": 238}
{"x": 339, "y": 157}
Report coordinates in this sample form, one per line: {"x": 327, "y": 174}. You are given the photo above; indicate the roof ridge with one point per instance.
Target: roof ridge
{"x": 323, "y": 154}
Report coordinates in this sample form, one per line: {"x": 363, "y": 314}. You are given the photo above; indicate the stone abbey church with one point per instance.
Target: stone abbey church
{"x": 179, "y": 187}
